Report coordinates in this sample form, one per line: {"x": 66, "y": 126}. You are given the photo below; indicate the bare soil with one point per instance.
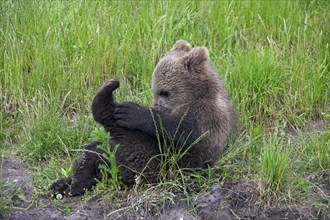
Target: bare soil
{"x": 233, "y": 201}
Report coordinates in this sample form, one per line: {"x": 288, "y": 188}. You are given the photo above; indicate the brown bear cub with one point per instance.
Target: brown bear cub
{"x": 189, "y": 101}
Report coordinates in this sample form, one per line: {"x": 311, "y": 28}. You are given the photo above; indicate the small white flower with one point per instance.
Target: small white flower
{"x": 59, "y": 196}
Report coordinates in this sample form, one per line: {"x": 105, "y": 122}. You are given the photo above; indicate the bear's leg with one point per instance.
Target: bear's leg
{"x": 85, "y": 174}
{"x": 103, "y": 103}
{"x": 86, "y": 168}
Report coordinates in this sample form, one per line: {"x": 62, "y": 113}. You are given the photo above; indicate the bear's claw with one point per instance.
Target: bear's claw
{"x": 61, "y": 186}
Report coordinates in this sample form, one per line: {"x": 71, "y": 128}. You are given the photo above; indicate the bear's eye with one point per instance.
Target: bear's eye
{"x": 164, "y": 93}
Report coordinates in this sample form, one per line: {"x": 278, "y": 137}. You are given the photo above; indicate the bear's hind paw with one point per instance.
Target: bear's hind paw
{"x": 110, "y": 85}
{"x": 61, "y": 186}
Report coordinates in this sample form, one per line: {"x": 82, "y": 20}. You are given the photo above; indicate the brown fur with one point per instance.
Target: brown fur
{"x": 187, "y": 74}
{"x": 184, "y": 83}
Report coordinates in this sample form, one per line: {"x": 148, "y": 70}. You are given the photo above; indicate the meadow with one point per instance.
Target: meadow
{"x": 273, "y": 56}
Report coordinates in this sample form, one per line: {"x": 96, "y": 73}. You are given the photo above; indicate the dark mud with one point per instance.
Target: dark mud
{"x": 241, "y": 202}
{"x": 232, "y": 201}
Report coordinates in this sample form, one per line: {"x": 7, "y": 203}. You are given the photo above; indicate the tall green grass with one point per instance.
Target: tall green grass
{"x": 274, "y": 167}
{"x": 273, "y": 56}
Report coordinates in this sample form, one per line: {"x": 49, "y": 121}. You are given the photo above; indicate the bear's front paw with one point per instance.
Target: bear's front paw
{"x": 109, "y": 85}
{"x": 61, "y": 186}
{"x": 132, "y": 116}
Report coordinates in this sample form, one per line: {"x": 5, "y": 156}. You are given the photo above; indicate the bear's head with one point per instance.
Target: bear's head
{"x": 183, "y": 75}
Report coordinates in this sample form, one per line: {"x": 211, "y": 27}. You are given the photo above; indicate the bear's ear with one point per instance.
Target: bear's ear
{"x": 181, "y": 45}
{"x": 197, "y": 56}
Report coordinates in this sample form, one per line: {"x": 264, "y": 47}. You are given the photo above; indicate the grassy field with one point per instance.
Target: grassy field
{"x": 273, "y": 56}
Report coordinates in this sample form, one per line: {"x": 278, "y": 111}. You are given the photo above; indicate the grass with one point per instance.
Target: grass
{"x": 274, "y": 167}
{"x": 273, "y": 56}
{"x": 110, "y": 173}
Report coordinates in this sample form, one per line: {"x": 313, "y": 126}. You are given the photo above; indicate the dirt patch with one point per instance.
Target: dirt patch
{"x": 232, "y": 201}
{"x": 314, "y": 126}
{"x": 17, "y": 184}
{"x": 240, "y": 202}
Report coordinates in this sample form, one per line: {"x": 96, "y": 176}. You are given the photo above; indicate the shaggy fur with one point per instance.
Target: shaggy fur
{"x": 189, "y": 100}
